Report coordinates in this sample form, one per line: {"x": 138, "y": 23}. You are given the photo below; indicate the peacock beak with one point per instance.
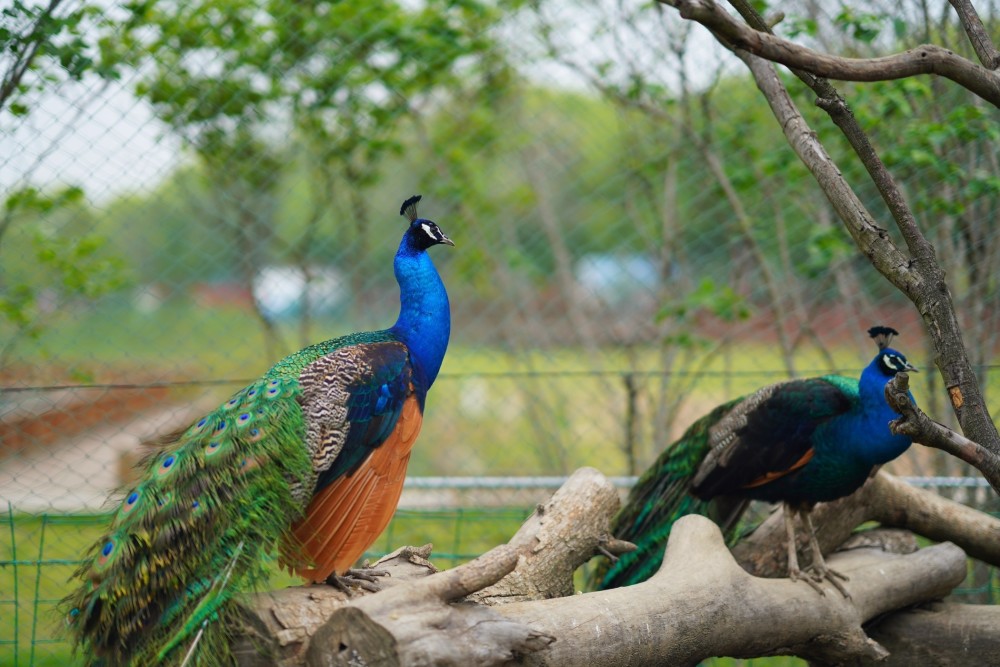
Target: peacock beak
{"x": 447, "y": 241}
{"x": 911, "y": 368}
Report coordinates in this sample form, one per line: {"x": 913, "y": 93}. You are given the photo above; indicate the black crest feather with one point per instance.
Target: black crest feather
{"x": 409, "y": 208}
{"x": 882, "y": 336}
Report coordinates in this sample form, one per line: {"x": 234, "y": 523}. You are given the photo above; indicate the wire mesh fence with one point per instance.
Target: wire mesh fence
{"x": 193, "y": 190}
{"x": 461, "y": 517}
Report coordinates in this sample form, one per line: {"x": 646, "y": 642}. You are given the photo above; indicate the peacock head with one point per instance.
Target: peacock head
{"x": 422, "y": 233}
{"x": 888, "y": 361}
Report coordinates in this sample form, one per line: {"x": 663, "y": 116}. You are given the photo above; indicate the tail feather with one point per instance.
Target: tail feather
{"x": 197, "y": 530}
{"x": 661, "y": 497}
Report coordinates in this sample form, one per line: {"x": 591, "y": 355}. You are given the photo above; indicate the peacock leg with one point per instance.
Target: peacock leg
{"x": 819, "y": 566}
{"x": 360, "y": 577}
{"x": 794, "y": 572}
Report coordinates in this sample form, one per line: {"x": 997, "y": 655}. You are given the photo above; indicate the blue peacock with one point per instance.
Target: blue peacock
{"x": 307, "y": 463}
{"x": 798, "y": 442}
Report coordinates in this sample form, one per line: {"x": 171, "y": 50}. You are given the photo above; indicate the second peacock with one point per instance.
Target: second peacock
{"x": 308, "y": 461}
{"x": 798, "y": 442}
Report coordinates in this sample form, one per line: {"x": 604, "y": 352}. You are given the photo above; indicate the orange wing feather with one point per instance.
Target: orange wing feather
{"x": 771, "y": 476}
{"x": 346, "y": 517}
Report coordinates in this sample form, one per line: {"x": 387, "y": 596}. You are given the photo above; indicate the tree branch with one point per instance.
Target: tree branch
{"x": 921, "y": 428}
{"x": 562, "y": 534}
{"x": 702, "y": 604}
{"x": 925, "y": 59}
{"x": 699, "y": 604}
{"x": 963, "y": 634}
{"x": 974, "y": 28}
{"x": 930, "y": 295}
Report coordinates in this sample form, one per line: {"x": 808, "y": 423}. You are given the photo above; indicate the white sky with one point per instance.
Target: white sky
{"x": 104, "y": 139}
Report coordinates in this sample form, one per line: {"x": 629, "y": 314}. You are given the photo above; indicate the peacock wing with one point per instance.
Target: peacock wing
{"x": 767, "y": 435}
{"x": 363, "y": 413}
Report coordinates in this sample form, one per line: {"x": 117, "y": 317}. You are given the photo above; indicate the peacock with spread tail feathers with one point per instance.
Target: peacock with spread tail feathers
{"x": 308, "y": 462}
{"x": 798, "y": 442}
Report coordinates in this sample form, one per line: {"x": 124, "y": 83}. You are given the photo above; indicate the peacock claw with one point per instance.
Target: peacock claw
{"x": 798, "y": 575}
{"x": 827, "y": 574}
{"x": 603, "y": 550}
{"x": 357, "y": 578}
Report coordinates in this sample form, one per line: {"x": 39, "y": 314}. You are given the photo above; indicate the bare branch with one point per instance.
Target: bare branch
{"x": 663, "y": 620}
{"x": 921, "y": 428}
{"x": 963, "y": 634}
{"x": 925, "y": 59}
{"x": 577, "y": 521}
{"x": 700, "y": 603}
{"x": 974, "y": 28}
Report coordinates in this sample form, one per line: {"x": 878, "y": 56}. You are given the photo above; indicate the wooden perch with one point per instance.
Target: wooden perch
{"x": 701, "y": 603}
{"x": 963, "y": 634}
{"x": 889, "y": 501}
{"x": 537, "y": 563}
{"x": 925, "y": 59}
{"x": 562, "y": 534}
{"x": 921, "y": 428}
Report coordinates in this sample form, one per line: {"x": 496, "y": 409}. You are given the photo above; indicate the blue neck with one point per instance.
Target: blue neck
{"x": 883, "y": 446}
{"x": 424, "y": 322}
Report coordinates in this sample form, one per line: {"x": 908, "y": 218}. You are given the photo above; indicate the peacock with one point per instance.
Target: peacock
{"x": 306, "y": 464}
{"x": 798, "y": 443}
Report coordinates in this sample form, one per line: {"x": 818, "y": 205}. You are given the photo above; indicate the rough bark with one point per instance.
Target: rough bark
{"x": 964, "y": 634}
{"x": 974, "y": 28}
{"x": 701, "y": 603}
{"x": 921, "y": 428}
{"x": 562, "y": 534}
{"x": 887, "y": 500}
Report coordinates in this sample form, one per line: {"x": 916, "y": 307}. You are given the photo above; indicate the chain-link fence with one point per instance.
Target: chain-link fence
{"x": 192, "y": 190}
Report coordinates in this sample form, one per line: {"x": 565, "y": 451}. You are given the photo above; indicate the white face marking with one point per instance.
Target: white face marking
{"x": 427, "y": 230}
{"x": 891, "y": 361}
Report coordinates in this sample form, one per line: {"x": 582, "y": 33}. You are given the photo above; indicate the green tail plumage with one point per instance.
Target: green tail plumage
{"x": 200, "y": 528}
{"x": 660, "y": 498}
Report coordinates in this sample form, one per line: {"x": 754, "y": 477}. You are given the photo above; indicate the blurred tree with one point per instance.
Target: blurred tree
{"x": 42, "y": 46}
{"x": 249, "y": 86}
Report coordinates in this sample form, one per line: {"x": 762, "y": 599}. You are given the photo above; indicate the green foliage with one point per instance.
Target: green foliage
{"x": 722, "y": 301}
{"x": 51, "y": 259}
{"x": 47, "y": 43}
{"x": 862, "y": 26}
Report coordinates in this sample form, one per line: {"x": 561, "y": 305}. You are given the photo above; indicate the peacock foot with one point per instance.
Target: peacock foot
{"x": 353, "y": 578}
{"x": 819, "y": 572}
{"x": 795, "y": 574}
